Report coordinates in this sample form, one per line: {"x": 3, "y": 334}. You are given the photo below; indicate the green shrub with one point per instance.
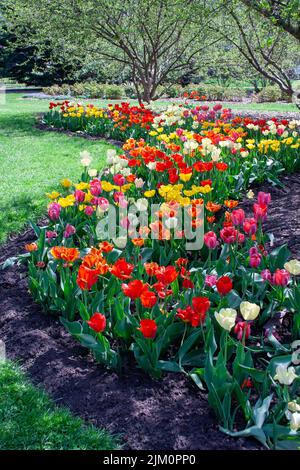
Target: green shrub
{"x": 130, "y": 91}
{"x": 113, "y": 92}
{"x": 88, "y": 90}
{"x": 78, "y": 90}
{"x": 174, "y": 91}
{"x": 212, "y": 92}
{"x": 52, "y": 90}
{"x": 270, "y": 93}
{"x": 234, "y": 94}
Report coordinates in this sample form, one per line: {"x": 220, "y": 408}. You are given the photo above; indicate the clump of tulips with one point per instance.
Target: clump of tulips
{"x": 117, "y": 121}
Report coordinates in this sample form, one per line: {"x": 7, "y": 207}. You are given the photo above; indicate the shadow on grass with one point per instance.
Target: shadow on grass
{"x": 17, "y": 124}
{"x": 15, "y": 214}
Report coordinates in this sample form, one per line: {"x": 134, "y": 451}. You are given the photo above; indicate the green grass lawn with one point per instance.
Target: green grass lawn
{"x": 31, "y": 421}
{"x": 33, "y": 162}
{"x": 263, "y": 107}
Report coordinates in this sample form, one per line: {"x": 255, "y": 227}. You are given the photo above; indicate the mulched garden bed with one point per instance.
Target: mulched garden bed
{"x": 283, "y": 215}
{"x": 170, "y": 413}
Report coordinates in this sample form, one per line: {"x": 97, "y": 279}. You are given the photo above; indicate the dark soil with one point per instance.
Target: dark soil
{"x": 284, "y": 212}
{"x": 170, "y": 413}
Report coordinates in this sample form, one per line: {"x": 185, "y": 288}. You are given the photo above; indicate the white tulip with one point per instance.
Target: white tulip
{"x": 293, "y": 267}
{"x": 111, "y": 153}
{"x": 295, "y": 421}
{"x": 293, "y": 406}
{"x": 141, "y": 204}
{"x": 151, "y": 165}
{"x": 172, "y": 222}
{"x": 85, "y": 158}
{"x": 93, "y": 172}
{"x": 249, "y": 311}
{"x": 139, "y": 183}
{"x": 226, "y": 317}
{"x": 284, "y": 374}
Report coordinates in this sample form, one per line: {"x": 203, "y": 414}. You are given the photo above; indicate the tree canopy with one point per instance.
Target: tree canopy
{"x": 153, "y": 42}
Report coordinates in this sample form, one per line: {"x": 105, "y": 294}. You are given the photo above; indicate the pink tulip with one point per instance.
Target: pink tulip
{"x": 69, "y": 231}
{"x": 103, "y": 203}
{"x": 242, "y": 330}
{"x": 95, "y": 187}
{"x": 210, "y": 280}
{"x": 254, "y": 261}
{"x": 210, "y": 240}
{"x": 266, "y": 275}
{"x": 241, "y": 238}
{"x": 250, "y": 226}
{"x": 119, "y": 179}
{"x": 89, "y": 210}
{"x": 263, "y": 198}
{"x": 238, "y": 217}
{"x": 54, "y": 210}
{"x": 229, "y": 235}
{"x": 118, "y": 195}
{"x": 50, "y": 234}
{"x": 79, "y": 195}
{"x": 253, "y": 251}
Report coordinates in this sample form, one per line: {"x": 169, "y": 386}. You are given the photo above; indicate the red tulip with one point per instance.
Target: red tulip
{"x": 260, "y": 211}
{"x": 121, "y": 269}
{"x": 242, "y": 329}
{"x": 188, "y": 315}
{"x": 148, "y": 328}
{"x": 133, "y": 289}
{"x": 97, "y": 322}
{"x": 201, "y": 304}
{"x": 250, "y": 226}
{"x": 224, "y": 285}
{"x": 166, "y": 274}
{"x": 187, "y": 284}
{"x": 281, "y": 277}
{"x": 148, "y": 298}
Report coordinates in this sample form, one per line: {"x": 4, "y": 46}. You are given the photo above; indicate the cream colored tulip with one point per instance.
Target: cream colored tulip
{"x": 141, "y": 204}
{"x": 226, "y": 317}
{"x": 295, "y": 421}
{"x": 93, "y": 172}
{"x": 293, "y": 406}
{"x": 86, "y": 158}
{"x": 293, "y": 267}
{"x": 249, "y": 311}
{"x": 285, "y": 375}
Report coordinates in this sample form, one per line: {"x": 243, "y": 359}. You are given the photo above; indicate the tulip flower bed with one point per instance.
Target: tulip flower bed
{"x": 211, "y": 311}
{"x": 115, "y": 122}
